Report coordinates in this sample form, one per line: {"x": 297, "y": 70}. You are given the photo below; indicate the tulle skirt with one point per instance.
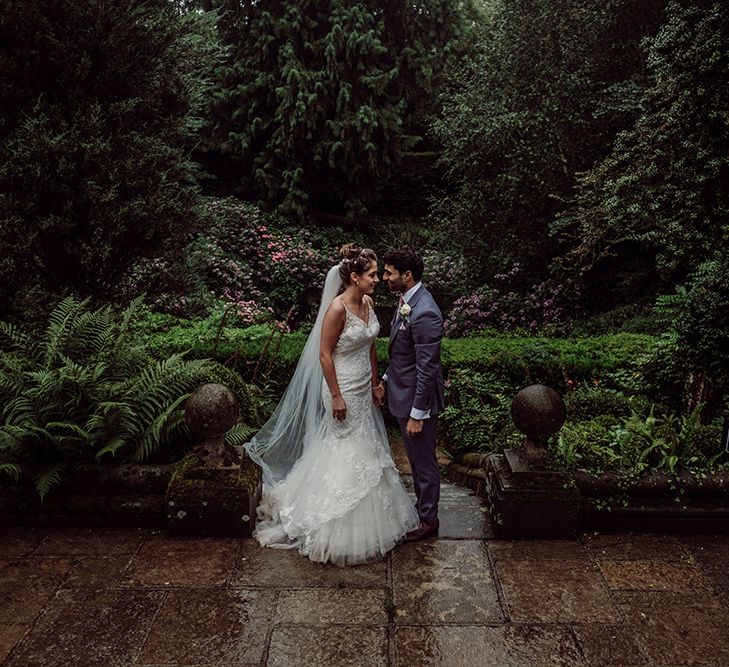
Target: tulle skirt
{"x": 343, "y": 502}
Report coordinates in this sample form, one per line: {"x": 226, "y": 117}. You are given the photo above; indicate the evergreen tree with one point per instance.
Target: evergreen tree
{"x": 320, "y": 98}
{"x": 541, "y": 101}
{"x": 96, "y": 100}
{"x": 659, "y": 204}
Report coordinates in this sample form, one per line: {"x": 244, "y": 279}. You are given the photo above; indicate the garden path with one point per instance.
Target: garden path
{"x": 121, "y": 598}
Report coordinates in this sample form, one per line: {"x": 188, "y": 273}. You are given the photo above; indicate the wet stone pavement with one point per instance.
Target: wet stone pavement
{"x": 117, "y": 598}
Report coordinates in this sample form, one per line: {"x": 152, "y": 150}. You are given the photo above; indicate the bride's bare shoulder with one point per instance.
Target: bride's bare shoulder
{"x": 336, "y": 309}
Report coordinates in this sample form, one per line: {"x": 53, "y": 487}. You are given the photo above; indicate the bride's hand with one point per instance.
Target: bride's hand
{"x": 378, "y": 394}
{"x": 339, "y": 408}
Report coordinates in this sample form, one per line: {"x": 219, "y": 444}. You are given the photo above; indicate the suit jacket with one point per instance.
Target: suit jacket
{"x": 415, "y": 374}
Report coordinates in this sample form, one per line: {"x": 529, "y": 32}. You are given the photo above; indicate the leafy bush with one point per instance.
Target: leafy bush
{"x": 84, "y": 392}
{"x": 658, "y": 203}
{"x": 446, "y": 276}
{"x": 93, "y": 170}
{"x": 476, "y": 416}
{"x": 585, "y": 443}
{"x": 564, "y": 364}
{"x": 638, "y": 443}
{"x": 546, "y": 306}
{"x": 245, "y": 261}
{"x": 587, "y": 402}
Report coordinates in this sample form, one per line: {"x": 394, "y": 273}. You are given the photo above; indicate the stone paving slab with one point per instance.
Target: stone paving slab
{"x": 444, "y": 581}
{"x": 711, "y": 552}
{"x": 10, "y": 635}
{"x": 555, "y": 591}
{"x": 27, "y": 585}
{"x": 338, "y": 646}
{"x": 608, "y": 645}
{"x": 91, "y": 543}
{"x": 96, "y": 572}
{"x": 210, "y": 627}
{"x": 348, "y": 606}
{"x": 142, "y": 599}
{"x": 174, "y": 561}
{"x": 18, "y": 542}
{"x": 259, "y": 567}
{"x": 678, "y": 628}
{"x": 504, "y": 646}
{"x": 653, "y": 575}
{"x": 537, "y": 550}
{"x": 632, "y": 546}
{"x": 83, "y": 628}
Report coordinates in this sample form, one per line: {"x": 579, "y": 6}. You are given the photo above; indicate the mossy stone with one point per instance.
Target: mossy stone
{"x": 204, "y": 500}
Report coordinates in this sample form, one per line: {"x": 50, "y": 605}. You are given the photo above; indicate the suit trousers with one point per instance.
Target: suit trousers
{"x": 420, "y": 449}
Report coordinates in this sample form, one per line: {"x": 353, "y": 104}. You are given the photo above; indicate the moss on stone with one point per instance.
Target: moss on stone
{"x": 196, "y": 486}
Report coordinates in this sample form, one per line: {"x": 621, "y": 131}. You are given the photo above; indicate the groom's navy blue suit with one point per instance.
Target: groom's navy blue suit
{"x": 415, "y": 387}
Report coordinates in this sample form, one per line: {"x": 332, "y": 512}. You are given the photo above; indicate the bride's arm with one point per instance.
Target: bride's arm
{"x": 331, "y": 329}
{"x": 378, "y": 391}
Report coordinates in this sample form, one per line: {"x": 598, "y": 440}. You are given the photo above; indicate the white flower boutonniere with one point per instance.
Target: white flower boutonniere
{"x": 405, "y": 312}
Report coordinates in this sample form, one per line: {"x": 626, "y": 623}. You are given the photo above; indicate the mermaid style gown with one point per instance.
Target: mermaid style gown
{"x": 343, "y": 500}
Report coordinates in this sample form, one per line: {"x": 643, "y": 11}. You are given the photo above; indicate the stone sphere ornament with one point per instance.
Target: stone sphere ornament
{"x": 538, "y": 411}
{"x": 210, "y": 412}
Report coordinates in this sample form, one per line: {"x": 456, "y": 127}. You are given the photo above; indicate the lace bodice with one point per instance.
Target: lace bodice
{"x": 343, "y": 501}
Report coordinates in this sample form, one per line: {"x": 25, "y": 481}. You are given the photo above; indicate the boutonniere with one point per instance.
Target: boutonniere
{"x": 404, "y": 315}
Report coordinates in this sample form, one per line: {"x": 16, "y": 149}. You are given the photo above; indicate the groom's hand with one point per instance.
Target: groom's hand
{"x": 414, "y": 426}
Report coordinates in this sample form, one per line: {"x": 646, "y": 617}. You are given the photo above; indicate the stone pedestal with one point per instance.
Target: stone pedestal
{"x": 530, "y": 503}
{"x": 216, "y": 488}
{"x": 216, "y": 501}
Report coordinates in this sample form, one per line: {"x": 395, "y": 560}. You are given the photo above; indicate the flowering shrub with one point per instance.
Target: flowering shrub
{"x": 297, "y": 271}
{"x": 245, "y": 262}
{"x": 545, "y": 306}
{"x": 445, "y": 275}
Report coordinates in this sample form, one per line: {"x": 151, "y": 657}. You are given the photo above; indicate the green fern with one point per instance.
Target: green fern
{"x": 84, "y": 392}
{"x": 239, "y": 435}
{"x": 11, "y": 469}
{"x": 48, "y": 477}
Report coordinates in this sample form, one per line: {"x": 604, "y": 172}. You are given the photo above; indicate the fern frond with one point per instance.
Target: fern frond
{"x": 239, "y": 435}
{"x": 47, "y": 478}
{"x": 153, "y": 435}
{"x": 93, "y": 332}
{"x": 63, "y": 428}
{"x": 19, "y": 411}
{"x": 11, "y": 469}
{"x": 127, "y": 318}
{"x": 111, "y": 447}
{"x": 17, "y": 339}
{"x": 60, "y": 323}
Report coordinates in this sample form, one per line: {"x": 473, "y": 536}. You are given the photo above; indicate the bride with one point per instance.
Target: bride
{"x": 330, "y": 487}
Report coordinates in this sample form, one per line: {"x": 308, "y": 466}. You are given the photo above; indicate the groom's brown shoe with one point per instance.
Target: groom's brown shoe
{"x": 422, "y": 532}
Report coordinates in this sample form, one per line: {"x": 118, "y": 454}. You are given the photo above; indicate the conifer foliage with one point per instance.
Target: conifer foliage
{"x": 96, "y": 99}
{"x": 663, "y": 188}
{"x": 319, "y": 98}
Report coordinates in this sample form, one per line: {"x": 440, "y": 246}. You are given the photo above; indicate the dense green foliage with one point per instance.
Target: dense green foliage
{"x": 253, "y": 265}
{"x": 96, "y": 101}
{"x": 633, "y": 436}
{"x": 659, "y": 203}
{"x": 540, "y": 101}
{"x": 319, "y": 99}
{"x": 85, "y": 391}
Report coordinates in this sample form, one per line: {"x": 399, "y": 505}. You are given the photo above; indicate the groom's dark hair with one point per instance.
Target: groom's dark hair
{"x": 405, "y": 259}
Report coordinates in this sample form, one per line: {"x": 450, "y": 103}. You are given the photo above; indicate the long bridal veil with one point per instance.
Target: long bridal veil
{"x": 298, "y": 420}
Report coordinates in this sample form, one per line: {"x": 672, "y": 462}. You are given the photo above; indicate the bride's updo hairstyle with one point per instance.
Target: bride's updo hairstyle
{"x": 354, "y": 260}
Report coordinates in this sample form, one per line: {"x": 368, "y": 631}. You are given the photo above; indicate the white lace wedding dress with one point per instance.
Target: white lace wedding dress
{"x": 343, "y": 500}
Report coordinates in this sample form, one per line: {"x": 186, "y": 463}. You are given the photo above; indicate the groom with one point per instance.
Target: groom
{"x": 414, "y": 379}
